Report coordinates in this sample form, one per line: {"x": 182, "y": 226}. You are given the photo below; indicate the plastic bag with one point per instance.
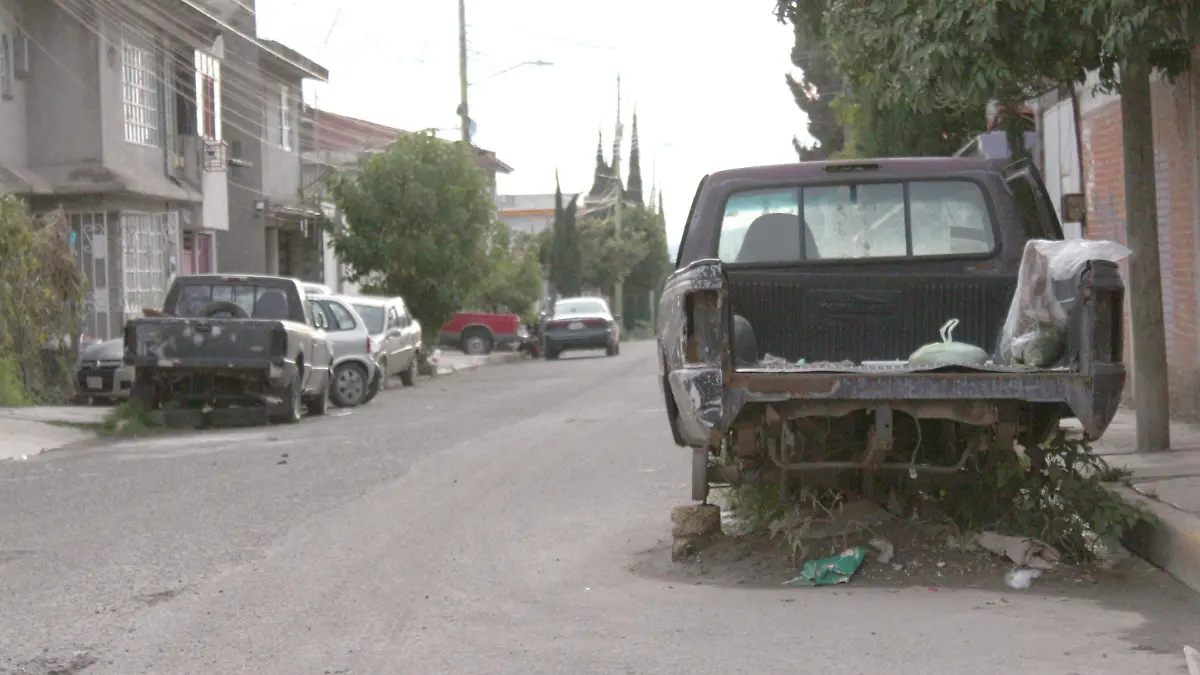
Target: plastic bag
{"x": 1035, "y": 329}
{"x": 948, "y": 352}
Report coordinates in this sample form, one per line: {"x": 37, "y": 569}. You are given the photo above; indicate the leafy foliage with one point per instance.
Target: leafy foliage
{"x": 928, "y": 55}
{"x": 609, "y": 258}
{"x": 820, "y": 83}
{"x": 566, "y": 254}
{"x": 419, "y": 217}
{"x": 1059, "y": 498}
{"x": 853, "y": 121}
{"x": 40, "y": 293}
{"x": 647, "y": 274}
{"x": 514, "y": 279}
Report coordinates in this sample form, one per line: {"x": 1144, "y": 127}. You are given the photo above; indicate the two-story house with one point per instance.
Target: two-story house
{"x": 271, "y": 229}
{"x": 109, "y": 113}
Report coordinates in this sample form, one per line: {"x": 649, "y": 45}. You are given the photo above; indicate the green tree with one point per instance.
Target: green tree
{"x": 633, "y": 189}
{"x": 418, "y": 218}
{"x": 936, "y": 54}
{"x": 847, "y": 121}
{"x": 647, "y": 274}
{"x": 610, "y": 258}
{"x": 566, "y": 256}
{"x": 514, "y": 280}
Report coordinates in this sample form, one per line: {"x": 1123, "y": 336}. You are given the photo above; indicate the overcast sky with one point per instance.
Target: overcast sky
{"x": 708, "y": 85}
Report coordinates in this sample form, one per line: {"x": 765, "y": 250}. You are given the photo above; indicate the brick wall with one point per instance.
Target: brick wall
{"x": 1178, "y": 238}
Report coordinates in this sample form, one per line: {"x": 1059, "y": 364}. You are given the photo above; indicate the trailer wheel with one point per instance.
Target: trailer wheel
{"x": 700, "y": 475}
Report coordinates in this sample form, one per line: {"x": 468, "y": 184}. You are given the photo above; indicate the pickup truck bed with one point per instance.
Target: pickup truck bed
{"x": 776, "y": 368}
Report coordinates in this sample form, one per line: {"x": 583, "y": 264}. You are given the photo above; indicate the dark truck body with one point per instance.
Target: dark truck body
{"x": 746, "y": 420}
{"x": 226, "y": 340}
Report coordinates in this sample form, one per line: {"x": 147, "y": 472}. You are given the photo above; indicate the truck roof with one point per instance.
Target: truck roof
{"x": 872, "y": 169}
{"x": 256, "y": 278}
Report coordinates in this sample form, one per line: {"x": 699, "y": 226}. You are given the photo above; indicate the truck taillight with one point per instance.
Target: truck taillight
{"x": 1109, "y": 340}
{"x": 280, "y": 341}
{"x": 368, "y": 345}
{"x": 703, "y": 330}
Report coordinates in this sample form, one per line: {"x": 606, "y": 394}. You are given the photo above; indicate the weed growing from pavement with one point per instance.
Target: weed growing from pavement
{"x": 1053, "y": 492}
{"x": 130, "y": 419}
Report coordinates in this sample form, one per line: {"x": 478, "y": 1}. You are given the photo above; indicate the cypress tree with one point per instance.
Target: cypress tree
{"x": 633, "y": 191}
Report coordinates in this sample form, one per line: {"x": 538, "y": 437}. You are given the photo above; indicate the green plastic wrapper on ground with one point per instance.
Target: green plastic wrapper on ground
{"x": 830, "y": 571}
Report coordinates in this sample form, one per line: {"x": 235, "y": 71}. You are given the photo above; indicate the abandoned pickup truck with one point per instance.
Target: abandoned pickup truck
{"x": 801, "y": 290}
{"x": 232, "y": 341}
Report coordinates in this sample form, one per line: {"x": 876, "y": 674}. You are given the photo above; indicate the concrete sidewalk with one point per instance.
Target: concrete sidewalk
{"x": 1168, "y": 484}
{"x": 28, "y": 431}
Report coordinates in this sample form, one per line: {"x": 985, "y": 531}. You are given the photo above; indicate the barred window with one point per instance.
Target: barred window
{"x": 140, "y": 83}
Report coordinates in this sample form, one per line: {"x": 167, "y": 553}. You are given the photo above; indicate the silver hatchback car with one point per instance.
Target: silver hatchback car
{"x": 355, "y": 373}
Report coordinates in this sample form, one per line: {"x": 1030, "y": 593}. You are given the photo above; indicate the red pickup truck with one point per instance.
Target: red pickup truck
{"x": 480, "y": 333}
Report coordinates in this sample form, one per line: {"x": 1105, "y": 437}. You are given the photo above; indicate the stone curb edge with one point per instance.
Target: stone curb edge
{"x": 1173, "y": 543}
{"x": 495, "y": 358}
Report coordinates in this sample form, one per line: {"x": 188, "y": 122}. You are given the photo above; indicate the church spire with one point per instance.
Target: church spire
{"x": 601, "y": 179}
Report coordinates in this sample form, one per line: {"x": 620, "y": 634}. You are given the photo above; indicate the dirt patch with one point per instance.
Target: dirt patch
{"x": 924, "y": 554}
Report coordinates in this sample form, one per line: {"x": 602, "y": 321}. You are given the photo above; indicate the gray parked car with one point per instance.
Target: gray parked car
{"x": 355, "y": 373}
{"x": 101, "y": 374}
{"x": 395, "y": 336}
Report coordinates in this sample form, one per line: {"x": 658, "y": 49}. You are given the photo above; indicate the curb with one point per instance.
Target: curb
{"x": 495, "y": 358}
{"x": 1172, "y": 543}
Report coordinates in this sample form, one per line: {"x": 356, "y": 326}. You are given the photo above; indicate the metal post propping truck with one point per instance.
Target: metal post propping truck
{"x": 224, "y": 341}
{"x": 801, "y": 290}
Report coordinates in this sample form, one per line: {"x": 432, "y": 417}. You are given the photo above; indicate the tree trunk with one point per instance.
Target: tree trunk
{"x": 1145, "y": 276}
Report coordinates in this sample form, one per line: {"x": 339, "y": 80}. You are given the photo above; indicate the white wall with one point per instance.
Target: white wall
{"x": 1061, "y": 160}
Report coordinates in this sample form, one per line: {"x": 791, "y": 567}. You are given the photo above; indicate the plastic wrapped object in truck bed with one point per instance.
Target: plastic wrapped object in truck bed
{"x": 1035, "y": 329}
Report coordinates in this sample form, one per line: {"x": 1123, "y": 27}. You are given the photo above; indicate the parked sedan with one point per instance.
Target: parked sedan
{"x": 355, "y": 373}
{"x": 581, "y": 323}
{"x": 395, "y": 336}
{"x": 101, "y": 374}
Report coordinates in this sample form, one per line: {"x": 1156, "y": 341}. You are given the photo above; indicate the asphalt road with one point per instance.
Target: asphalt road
{"x": 512, "y": 519}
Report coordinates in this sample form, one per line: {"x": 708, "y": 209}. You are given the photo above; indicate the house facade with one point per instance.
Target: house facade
{"x": 272, "y": 230}
{"x": 1100, "y": 175}
{"x": 108, "y": 114}
{"x": 530, "y": 214}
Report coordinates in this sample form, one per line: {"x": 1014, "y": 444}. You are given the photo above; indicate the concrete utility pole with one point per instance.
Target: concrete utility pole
{"x": 619, "y": 287}
{"x": 1150, "y": 368}
{"x": 464, "y": 114}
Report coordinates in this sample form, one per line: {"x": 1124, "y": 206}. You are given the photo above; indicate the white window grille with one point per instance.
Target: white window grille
{"x": 140, "y": 86}
{"x": 285, "y": 119}
{"x": 150, "y": 252}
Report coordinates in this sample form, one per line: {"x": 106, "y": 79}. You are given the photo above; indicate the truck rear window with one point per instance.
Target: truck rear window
{"x": 255, "y": 302}
{"x": 856, "y": 221}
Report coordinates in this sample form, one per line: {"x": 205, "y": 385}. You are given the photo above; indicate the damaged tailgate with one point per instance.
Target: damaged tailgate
{"x": 205, "y": 343}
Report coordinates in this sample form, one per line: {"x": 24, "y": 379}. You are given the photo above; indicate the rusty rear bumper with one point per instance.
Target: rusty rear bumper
{"x": 709, "y": 400}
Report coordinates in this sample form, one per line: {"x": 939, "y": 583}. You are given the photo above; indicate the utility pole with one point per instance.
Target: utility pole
{"x": 619, "y": 287}
{"x": 1150, "y": 367}
{"x": 464, "y": 114}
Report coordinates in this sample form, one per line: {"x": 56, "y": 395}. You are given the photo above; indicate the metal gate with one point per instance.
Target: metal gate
{"x": 149, "y": 258}
{"x": 90, "y": 245}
